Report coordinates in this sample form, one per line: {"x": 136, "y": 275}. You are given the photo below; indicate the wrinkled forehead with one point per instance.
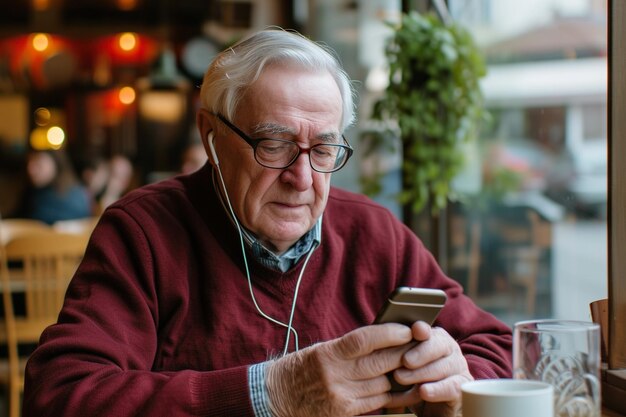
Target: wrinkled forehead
{"x": 292, "y": 86}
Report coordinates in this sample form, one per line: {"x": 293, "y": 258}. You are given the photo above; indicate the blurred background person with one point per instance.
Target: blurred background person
{"x": 95, "y": 172}
{"x": 193, "y": 158}
{"x": 120, "y": 178}
{"x": 53, "y": 192}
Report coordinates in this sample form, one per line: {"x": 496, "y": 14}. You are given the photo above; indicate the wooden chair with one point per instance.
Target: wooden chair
{"x": 47, "y": 262}
{"x": 10, "y": 369}
{"x": 12, "y": 228}
{"x": 78, "y": 226}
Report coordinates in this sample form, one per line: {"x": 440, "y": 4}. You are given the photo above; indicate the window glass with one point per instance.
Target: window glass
{"x": 537, "y": 247}
{"x": 594, "y": 122}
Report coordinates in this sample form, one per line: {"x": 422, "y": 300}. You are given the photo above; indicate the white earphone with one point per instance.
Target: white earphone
{"x": 210, "y": 138}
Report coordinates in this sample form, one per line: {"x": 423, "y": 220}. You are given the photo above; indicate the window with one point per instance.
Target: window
{"x": 541, "y": 229}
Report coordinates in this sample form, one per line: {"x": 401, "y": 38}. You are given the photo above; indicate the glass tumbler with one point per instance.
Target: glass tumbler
{"x": 565, "y": 354}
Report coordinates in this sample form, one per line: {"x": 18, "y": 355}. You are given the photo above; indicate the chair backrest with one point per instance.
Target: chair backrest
{"x": 13, "y": 378}
{"x": 35, "y": 267}
{"x": 13, "y": 228}
{"x": 80, "y": 226}
{"x": 42, "y": 266}
{"x": 9, "y": 314}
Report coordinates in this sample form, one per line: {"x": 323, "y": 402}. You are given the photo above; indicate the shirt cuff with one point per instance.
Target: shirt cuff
{"x": 258, "y": 392}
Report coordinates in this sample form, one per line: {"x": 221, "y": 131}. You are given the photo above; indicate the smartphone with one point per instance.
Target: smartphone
{"x": 406, "y": 305}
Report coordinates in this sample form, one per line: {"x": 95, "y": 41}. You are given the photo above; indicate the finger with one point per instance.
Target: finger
{"x": 372, "y": 387}
{"x": 365, "y": 396}
{"x": 374, "y": 402}
{"x": 421, "y": 330}
{"x": 443, "y": 400}
{"x": 380, "y": 361}
{"x": 448, "y": 389}
{"x": 366, "y": 340}
{"x": 435, "y": 359}
{"x": 434, "y": 371}
{"x": 439, "y": 345}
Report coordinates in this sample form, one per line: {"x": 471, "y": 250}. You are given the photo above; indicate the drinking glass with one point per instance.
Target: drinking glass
{"x": 566, "y": 354}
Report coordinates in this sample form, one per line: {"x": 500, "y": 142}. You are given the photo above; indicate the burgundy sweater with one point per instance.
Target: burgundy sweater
{"x": 158, "y": 320}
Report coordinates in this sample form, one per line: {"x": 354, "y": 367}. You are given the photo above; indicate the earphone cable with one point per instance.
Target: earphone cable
{"x": 245, "y": 260}
{"x": 293, "y": 303}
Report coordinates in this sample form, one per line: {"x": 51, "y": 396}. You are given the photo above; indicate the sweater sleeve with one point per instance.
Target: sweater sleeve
{"x": 101, "y": 358}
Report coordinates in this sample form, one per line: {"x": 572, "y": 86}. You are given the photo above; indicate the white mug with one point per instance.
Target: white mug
{"x": 507, "y": 398}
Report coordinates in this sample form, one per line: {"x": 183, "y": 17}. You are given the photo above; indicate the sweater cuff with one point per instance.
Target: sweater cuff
{"x": 258, "y": 391}
{"x": 222, "y": 392}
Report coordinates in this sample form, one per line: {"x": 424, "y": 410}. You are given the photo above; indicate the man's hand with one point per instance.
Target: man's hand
{"x": 339, "y": 378}
{"x": 437, "y": 367}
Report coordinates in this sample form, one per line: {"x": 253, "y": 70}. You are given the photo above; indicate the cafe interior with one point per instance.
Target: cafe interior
{"x": 532, "y": 225}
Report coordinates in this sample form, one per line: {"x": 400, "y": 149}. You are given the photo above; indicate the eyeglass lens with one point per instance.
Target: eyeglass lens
{"x": 280, "y": 154}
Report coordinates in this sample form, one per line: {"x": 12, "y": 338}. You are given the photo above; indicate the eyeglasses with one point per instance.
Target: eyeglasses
{"x": 281, "y": 153}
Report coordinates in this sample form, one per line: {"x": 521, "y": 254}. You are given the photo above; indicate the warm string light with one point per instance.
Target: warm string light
{"x": 40, "y": 42}
{"x": 127, "y": 95}
{"x": 42, "y": 116}
{"x": 47, "y": 134}
{"x": 127, "y": 41}
{"x": 56, "y": 137}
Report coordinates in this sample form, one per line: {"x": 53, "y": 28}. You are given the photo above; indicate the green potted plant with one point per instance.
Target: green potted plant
{"x": 434, "y": 103}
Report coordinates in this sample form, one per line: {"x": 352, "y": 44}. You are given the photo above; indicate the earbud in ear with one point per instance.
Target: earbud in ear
{"x": 210, "y": 138}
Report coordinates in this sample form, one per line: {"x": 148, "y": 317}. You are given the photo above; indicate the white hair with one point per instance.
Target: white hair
{"x": 236, "y": 68}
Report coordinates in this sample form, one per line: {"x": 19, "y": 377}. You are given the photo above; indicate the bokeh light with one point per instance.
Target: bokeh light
{"x": 40, "y": 42}
{"x": 56, "y": 137}
{"x": 127, "y": 41}
{"x": 42, "y": 116}
{"x": 127, "y": 95}
{"x": 38, "y": 139}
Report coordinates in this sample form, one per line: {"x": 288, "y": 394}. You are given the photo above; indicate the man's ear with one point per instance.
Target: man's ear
{"x": 204, "y": 121}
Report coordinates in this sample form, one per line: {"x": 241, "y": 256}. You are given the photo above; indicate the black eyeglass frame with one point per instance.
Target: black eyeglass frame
{"x": 254, "y": 143}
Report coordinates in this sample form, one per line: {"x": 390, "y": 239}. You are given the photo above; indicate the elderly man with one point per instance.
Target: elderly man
{"x": 249, "y": 287}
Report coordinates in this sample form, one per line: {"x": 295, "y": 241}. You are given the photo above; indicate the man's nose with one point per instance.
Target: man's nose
{"x": 300, "y": 173}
